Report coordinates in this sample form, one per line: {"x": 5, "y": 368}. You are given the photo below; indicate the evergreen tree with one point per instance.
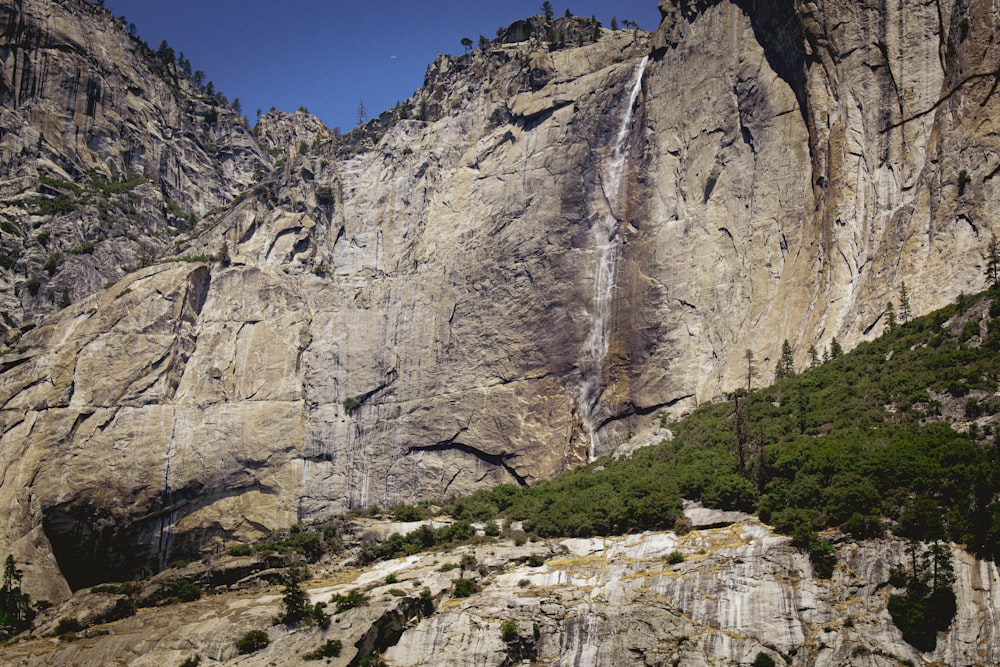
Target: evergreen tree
{"x": 547, "y": 10}
{"x": 165, "y": 53}
{"x": 993, "y": 264}
{"x": 928, "y": 606}
{"x": 835, "y": 349}
{"x": 904, "y": 304}
{"x": 294, "y": 601}
{"x": 890, "y": 312}
{"x": 16, "y": 613}
{"x": 742, "y": 427}
{"x": 467, "y": 44}
{"x": 786, "y": 363}
{"x": 813, "y": 357}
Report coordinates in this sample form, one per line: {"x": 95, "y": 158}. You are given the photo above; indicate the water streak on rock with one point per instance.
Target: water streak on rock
{"x": 607, "y": 243}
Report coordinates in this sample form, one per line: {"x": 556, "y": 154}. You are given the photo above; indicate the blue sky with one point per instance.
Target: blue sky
{"x": 329, "y": 55}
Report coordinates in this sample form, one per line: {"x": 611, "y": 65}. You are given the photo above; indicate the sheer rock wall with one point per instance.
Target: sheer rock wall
{"x": 407, "y": 320}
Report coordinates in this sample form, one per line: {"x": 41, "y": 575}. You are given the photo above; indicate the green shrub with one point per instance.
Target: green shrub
{"x": 110, "y": 187}
{"x": 963, "y": 180}
{"x": 52, "y": 262}
{"x": 731, "y": 492}
{"x": 406, "y": 513}
{"x": 85, "y": 248}
{"x": 509, "y": 630}
{"x": 320, "y": 616}
{"x": 763, "y": 660}
{"x": 969, "y": 330}
{"x": 185, "y": 591}
{"x": 352, "y": 404}
{"x": 463, "y": 588}
{"x": 823, "y": 557}
{"x": 324, "y": 195}
{"x": 240, "y": 550}
{"x": 349, "y": 601}
{"x": 66, "y": 625}
{"x": 675, "y": 557}
{"x": 252, "y": 641}
{"x": 61, "y": 204}
{"x": 125, "y": 588}
{"x": 331, "y": 649}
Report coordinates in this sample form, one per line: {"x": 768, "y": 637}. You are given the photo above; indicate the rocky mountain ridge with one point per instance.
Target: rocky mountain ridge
{"x": 109, "y": 153}
{"x": 566, "y": 241}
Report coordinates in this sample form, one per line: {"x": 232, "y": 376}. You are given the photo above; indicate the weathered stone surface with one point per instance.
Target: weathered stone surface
{"x": 81, "y": 99}
{"x": 740, "y": 591}
{"x": 423, "y": 315}
{"x": 284, "y": 133}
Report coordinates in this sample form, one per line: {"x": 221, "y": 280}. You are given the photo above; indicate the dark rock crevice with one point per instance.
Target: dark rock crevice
{"x": 498, "y": 460}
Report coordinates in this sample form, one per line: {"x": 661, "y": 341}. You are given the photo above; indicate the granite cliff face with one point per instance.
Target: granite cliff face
{"x": 502, "y": 278}
{"x": 109, "y": 153}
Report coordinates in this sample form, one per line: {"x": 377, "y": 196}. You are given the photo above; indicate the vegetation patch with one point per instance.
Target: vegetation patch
{"x": 330, "y": 649}
{"x": 252, "y": 641}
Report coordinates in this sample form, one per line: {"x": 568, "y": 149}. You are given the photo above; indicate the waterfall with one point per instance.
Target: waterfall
{"x": 607, "y": 244}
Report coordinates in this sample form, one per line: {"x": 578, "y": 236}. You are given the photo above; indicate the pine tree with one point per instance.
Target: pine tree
{"x": 890, "y": 312}
{"x": 16, "y": 613}
{"x": 993, "y": 264}
{"x": 813, "y": 357}
{"x": 904, "y": 304}
{"x": 835, "y": 349}
{"x": 294, "y": 601}
{"x": 786, "y": 363}
{"x": 362, "y": 113}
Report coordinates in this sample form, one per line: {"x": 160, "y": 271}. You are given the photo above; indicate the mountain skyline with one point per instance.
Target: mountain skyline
{"x": 332, "y": 57}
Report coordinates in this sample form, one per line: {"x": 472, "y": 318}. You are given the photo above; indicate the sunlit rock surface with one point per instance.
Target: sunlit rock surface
{"x": 739, "y": 591}
{"x": 408, "y": 312}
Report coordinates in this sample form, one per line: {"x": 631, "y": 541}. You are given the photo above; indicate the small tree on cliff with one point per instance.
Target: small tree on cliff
{"x": 993, "y": 264}
{"x": 786, "y": 363}
{"x": 16, "y": 613}
{"x": 294, "y": 601}
{"x": 904, "y": 304}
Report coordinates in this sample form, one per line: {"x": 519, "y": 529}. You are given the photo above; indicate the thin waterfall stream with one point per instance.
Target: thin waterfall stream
{"x": 607, "y": 243}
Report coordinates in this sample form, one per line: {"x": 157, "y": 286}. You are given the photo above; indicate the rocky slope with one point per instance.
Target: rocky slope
{"x": 739, "y": 591}
{"x": 109, "y": 152}
{"x": 502, "y": 278}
